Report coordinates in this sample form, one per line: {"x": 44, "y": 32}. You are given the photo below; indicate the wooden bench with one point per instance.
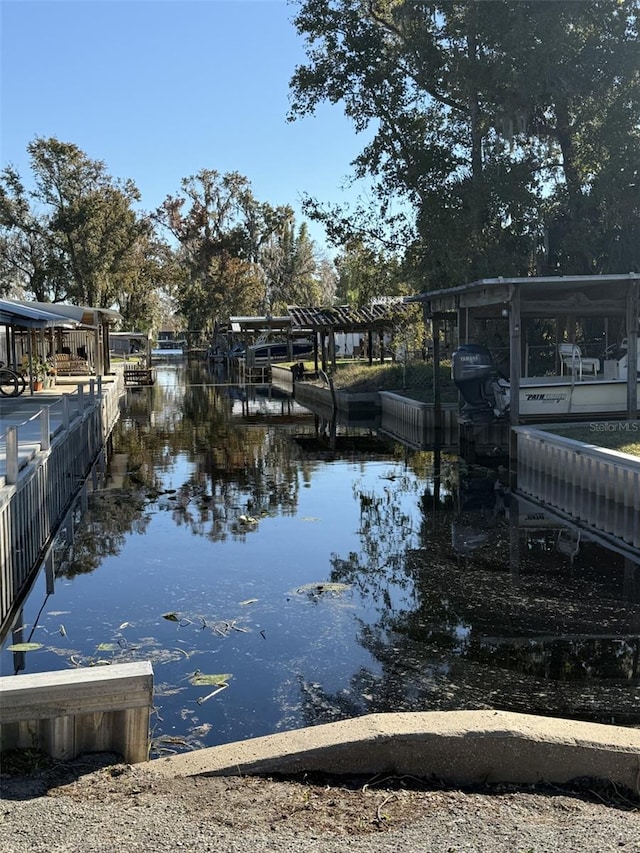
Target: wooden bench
{"x": 69, "y": 365}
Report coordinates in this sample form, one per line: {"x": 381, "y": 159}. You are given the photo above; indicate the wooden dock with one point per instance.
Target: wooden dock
{"x": 39, "y": 485}
{"x": 136, "y": 377}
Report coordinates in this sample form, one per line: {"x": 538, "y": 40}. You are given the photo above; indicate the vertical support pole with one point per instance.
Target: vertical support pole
{"x": 17, "y": 636}
{"x": 632, "y": 350}
{"x": 30, "y": 352}
{"x": 437, "y": 395}
{"x": 515, "y": 362}
{"x": 45, "y": 429}
{"x": 99, "y": 386}
{"x": 11, "y": 476}
{"x": 92, "y": 391}
{"x": 514, "y": 540}
{"x": 80, "y": 399}
{"x": 49, "y": 572}
{"x": 65, "y": 411}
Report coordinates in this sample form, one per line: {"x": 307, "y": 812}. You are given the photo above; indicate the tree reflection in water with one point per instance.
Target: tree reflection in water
{"x": 261, "y": 501}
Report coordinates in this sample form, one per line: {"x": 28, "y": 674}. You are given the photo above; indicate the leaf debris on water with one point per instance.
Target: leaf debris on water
{"x": 24, "y": 647}
{"x": 321, "y": 588}
{"x": 198, "y": 679}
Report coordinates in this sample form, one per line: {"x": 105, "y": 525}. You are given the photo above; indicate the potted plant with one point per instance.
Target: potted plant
{"x": 51, "y": 373}
{"x": 39, "y": 373}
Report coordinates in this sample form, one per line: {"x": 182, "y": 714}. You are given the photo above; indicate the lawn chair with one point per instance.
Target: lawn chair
{"x": 572, "y": 359}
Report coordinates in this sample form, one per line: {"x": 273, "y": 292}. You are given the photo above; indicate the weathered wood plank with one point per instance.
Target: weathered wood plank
{"x": 94, "y": 709}
{"x": 44, "y": 695}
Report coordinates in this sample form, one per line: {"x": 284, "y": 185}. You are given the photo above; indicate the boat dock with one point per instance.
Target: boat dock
{"x": 49, "y": 443}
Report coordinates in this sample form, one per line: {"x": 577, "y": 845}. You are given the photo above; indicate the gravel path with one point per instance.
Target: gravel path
{"x": 117, "y": 807}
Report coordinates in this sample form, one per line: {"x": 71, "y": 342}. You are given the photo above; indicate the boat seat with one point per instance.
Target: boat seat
{"x": 572, "y": 359}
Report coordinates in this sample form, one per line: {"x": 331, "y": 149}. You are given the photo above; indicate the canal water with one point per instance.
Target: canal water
{"x": 280, "y": 571}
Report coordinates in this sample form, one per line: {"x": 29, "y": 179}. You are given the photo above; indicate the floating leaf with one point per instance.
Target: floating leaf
{"x": 63, "y": 631}
{"x": 107, "y": 647}
{"x": 199, "y": 679}
{"x": 320, "y": 588}
{"x": 124, "y": 625}
{"x": 247, "y": 519}
{"x": 24, "y": 647}
{"x": 248, "y": 601}
{"x": 172, "y": 617}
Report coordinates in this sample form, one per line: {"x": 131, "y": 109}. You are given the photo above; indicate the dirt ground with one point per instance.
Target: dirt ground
{"x": 347, "y": 808}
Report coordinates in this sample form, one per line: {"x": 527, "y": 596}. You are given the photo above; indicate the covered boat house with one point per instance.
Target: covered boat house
{"x": 596, "y": 379}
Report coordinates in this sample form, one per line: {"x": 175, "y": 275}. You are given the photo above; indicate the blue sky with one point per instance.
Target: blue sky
{"x": 159, "y": 89}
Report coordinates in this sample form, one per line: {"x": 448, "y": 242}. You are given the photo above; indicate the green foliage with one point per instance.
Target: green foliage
{"x": 75, "y": 236}
{"x": 507, "y": 131}
{"x": 241, "y": 256}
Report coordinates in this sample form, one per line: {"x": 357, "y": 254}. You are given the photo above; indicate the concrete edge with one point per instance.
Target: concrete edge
{"x": 456, "y": 747}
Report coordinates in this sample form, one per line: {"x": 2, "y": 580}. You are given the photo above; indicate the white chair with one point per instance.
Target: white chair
{"x": 571, "y": 357}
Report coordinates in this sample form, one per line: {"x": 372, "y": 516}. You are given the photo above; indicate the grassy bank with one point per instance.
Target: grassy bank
{"x": 413, "y": 380}
{"x": 623, "y": 436}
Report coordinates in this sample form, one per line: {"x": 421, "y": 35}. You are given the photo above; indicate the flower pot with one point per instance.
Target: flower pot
{"x": 38, "y": 384}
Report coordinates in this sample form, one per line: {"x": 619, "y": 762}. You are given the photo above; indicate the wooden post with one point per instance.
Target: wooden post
{"x": 515, "y": 361}
{"x": 632, "y": 350}
{"x": 11, "y": 475}
{"x": 437, "y": 396}
{"x": 45, "y": 429}
{"x": 91, "y": 709}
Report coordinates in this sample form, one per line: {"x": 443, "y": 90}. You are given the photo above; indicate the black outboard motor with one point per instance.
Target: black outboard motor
{"x": 485, "y": 392}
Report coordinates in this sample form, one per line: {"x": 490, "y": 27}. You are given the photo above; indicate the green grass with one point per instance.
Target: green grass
{"x": 414, "y": 380}
{"x": 623, "y": 436}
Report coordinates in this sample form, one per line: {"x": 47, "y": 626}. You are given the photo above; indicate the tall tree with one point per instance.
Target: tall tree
{"x": 73, "y": 236}
{"x": 91, "y": 219}
{"x": 239, "y": 252}
{"x": 474, "y": 107}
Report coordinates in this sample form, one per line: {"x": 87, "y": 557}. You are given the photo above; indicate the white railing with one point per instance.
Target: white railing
{"x": 598, "y": 487}
{"x": 44, "y": 484}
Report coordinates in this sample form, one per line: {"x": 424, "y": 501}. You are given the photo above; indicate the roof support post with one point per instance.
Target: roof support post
{"x": 437, "y": 397}
{"x": 632, "y": 350}
{"x": 515, "y": 362}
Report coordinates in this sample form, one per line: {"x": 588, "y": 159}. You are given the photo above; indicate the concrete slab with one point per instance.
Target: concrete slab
{"x": 456, "y": 747}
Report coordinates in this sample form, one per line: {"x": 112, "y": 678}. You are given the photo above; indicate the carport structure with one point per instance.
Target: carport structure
{"x": 564, "y": 299}
{"x": 44, "y": 326}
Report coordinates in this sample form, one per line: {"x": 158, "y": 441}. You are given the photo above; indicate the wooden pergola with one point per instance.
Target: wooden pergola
{"x": 325, "y": 323}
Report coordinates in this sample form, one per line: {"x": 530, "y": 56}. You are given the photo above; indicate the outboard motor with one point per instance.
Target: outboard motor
{"x": 485, "y": 392}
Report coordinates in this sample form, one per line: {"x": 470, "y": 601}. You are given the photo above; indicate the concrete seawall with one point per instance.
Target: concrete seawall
{"x": 456, "y": 747}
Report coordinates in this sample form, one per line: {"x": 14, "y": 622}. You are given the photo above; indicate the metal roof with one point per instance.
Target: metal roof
{"x": 586, "y": 294}
{"x": 84, "y": 314}
{"x": 29, "y": 316}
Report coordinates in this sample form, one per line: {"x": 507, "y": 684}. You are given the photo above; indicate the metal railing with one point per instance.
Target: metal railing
{"x": 598, "y": 487}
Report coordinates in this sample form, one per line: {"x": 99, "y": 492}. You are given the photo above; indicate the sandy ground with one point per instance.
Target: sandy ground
{"x": 95, "y": 804}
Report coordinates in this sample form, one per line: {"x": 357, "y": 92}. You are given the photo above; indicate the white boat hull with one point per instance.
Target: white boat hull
{"x": 551, "y": 396}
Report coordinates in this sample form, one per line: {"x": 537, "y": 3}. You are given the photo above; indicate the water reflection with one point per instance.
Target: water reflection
{"x": 325, "y": 573}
